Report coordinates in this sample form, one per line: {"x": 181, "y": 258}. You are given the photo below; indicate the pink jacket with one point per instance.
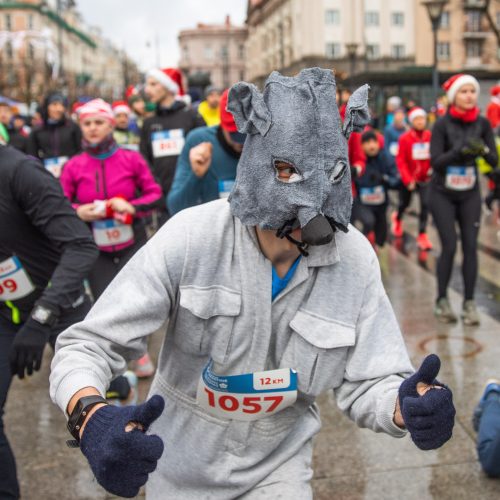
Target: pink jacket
{"x": 86, "y": 178}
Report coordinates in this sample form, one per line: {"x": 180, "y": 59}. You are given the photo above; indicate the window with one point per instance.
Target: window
{"x": 241, "y": 51}
{"x": 398, "y": 51}
{"x": 332, "y": 50}
{"x": 332, "y": 17}
{"x": 185, "y": 52}
{"x": 30, "y": 22}
{"x": 209, "y": 53}
{"x": 224, "y": 52}
{"x": 242, "y": 75}
{"x": 398, "y": 19}
{"x": 498, "y": 20}
{"x": 474, "y": 21}
{"x": 445, "y": 20}
{"x": 473, "y": 49}
{"x": 31, "y": 51}
{"x": 8, "y": 22}
{"x": 373, "y": 51}
{"x": 443, "y": 51}
{"x": 8, "y": 50}
{"x": 371, "y": 18}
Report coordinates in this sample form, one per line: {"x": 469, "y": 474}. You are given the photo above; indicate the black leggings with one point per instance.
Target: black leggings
{"x": 405, "y": 199}
{"x": 372, "y": 218}
{"x": 447, "y": 209}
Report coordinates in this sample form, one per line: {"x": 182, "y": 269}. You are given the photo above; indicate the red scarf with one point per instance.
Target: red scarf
{"x": 466, "y": 116}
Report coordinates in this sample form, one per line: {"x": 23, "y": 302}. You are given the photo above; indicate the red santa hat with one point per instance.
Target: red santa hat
{"x": 454, "y": 83}
{"x": 495, "y": 91}
{"x": 415, "y": 113}
{"x": 120, "y": 107}
{"x": 131, "y": 91}
{"x": 170, "y": 78}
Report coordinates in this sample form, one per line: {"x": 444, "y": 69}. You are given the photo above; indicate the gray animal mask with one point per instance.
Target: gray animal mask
{"x": 294, "y": 169}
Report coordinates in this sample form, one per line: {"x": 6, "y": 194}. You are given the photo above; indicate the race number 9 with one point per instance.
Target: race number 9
{"x": 8, "y": 285}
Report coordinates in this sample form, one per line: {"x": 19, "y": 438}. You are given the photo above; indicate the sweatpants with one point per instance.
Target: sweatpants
{"x": 405, "y": 197}
{"x": 449, "y": 208}
{"x": 372, "y": 218}
{"x": 9, "y": 486}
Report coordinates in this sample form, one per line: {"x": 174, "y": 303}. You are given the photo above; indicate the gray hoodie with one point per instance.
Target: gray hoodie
{"x": 205, "y": 275}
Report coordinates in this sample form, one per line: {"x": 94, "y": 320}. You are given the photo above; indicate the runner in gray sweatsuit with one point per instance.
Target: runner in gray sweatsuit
{"x": 331, "y": 328}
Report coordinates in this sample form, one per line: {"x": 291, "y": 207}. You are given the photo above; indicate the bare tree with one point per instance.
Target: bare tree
{"x": 491, "y": 21}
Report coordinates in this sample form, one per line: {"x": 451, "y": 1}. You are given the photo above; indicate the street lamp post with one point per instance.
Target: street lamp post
{"x": 351, "y": 52}
{"x": 435, "y": 10}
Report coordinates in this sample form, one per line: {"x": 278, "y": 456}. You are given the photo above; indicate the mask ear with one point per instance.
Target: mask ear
{"x": 357, "y": 114}
{"x": 251, "y": 114}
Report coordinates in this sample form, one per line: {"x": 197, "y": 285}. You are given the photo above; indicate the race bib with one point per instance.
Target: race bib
{"x": 225, "y": 188}
{"x": 460, "y": 178}
{"x": 247, "y": 397}
{"x": 421, "y": 151}
{"x": 14, "y": 280}
{"x": 55, "y": 165}
{"x": 394, "y": 148}
{"x": 110, "y": 232}
{"x": 372, "y": 195}
{"x": 168, "y": 142}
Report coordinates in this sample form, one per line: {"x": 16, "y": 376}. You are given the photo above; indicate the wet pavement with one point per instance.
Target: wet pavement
{"x": 349, "y": 463}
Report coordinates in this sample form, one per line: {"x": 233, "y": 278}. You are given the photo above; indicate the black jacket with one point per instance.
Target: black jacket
{"x": 39, "y": 226}
{"x": 178, "y": 116}
{"x": 449, "y": 136}
{"x": 17, "y": 140}
{"x": 54, "y": 140}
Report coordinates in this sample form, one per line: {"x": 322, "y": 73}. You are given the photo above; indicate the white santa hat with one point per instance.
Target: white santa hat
{"x": 170, "y": 78}
{"x": 415, "y": 113}
{"x": 453, "y": 84}
{"x": 120, "y": 107}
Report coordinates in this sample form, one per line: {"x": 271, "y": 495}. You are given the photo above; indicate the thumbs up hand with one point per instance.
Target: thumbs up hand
{"x": 426, "y": 406}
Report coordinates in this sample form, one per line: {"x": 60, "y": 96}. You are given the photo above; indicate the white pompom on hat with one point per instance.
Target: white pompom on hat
{"x": 415, "y": 113}
{"x": 453, "y": 84}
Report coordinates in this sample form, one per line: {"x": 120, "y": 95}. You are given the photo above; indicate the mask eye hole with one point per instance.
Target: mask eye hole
{"x": 286, "y": 172}
{"x": 338, "y": 172}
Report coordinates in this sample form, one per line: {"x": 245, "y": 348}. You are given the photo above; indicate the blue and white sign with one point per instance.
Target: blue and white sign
{"x": 246, "y": 397}
{"x": 55, "y": 165}
{"x": 14, "y": 280}
{"x": 109, "y": 232}
{"x": 460, "y": 178}
{"x": 225, "y": 188}
{"x": 167, "y": 142}
{"x": 372, "y": 195}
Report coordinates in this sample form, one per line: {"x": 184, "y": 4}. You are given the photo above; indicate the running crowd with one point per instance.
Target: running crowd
{"x": 83, "y": 189}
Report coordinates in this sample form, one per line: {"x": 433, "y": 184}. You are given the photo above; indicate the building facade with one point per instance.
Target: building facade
{"x": 348, "y": 36}
{"x": 45, "y": 45}
{"x": 214, "y": 52}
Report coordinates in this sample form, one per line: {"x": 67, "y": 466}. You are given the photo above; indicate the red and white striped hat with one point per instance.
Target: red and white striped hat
{"x": 452, "y": 85}
{"x": 120, "y": 107}
{"x": 94, "y": 108}
{"x": 415, "y": 113}
{"x": 170, "y": 78}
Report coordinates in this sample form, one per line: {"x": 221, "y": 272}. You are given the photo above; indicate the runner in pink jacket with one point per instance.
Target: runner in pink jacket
{"x": 111, "y": 189}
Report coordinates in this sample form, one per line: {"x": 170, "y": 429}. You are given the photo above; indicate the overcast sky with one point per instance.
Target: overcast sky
{"x": 133, "y": 24}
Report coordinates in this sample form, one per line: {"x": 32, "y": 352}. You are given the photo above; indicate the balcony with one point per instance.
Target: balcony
{"x": 474, "y": 4}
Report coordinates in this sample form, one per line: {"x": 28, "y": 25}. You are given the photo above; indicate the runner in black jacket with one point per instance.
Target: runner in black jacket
{"x": 458, "y": 138}
{"x": 163, "y": 135}
{"x": 45, "y": 253}
{"x": 58, "y": 139}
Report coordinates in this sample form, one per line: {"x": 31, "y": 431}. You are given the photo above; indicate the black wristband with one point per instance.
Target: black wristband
{"x": 78, "y": 416}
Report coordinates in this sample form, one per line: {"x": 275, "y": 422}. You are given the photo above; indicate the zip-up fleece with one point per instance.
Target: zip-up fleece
{"x": 125, "y": 173}
{"x": 413, "y": 170}
{"x": 205, "y": 275}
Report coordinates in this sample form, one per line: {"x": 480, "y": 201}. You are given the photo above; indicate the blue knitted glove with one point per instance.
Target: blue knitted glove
{"x": 428, "y": 418}
{"x": 121, "y": 461}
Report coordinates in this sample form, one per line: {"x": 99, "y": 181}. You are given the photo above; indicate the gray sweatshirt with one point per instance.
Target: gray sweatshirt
{"x": 205, "y": 274}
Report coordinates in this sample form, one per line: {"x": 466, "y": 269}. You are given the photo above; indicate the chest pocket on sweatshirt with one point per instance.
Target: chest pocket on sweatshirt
{"x": 318, "y": 351}
{"x": 204, "y": 322}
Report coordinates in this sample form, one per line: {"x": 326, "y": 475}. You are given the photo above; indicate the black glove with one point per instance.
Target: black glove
{"x": 27, "y": 349}
{"x": 354, "y": 172}
{"x": 475, "y": 147}
{"x": 121, "y": 461}
{"x": 429, "y": 418}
